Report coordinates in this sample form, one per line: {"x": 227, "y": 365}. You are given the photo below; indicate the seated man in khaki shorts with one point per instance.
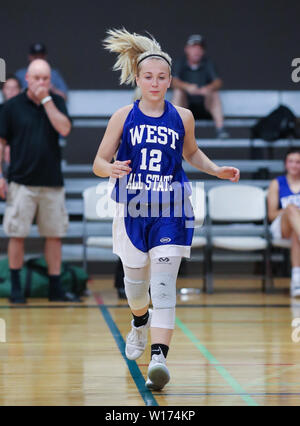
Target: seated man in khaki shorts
{"x": 31, "y": 123}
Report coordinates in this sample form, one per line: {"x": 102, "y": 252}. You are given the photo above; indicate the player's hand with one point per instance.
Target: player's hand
{"x": 3, "y": 188}
{"x": 120, "y": 169}
{"x": 204, "y": 91}
{"x": 230, "y": 173}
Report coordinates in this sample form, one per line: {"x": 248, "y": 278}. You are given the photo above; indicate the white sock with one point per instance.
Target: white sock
{"x": 296, "y": 274}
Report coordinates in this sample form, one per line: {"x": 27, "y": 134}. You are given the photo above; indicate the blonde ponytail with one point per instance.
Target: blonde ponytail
{"x": 132, "y": 49}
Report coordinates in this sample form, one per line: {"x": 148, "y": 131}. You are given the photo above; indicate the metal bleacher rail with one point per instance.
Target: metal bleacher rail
{"x": 92, "y": 108}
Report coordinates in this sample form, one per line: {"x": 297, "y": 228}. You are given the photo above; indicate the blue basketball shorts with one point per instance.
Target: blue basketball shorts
{"x": 136, "y": 240}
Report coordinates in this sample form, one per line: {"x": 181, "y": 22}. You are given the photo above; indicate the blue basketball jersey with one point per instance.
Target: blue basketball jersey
{"x": 154, "y": 146}
{"x": 286, "y": 196}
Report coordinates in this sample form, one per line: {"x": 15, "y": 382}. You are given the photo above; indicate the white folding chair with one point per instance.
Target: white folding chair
{"x": 285, "y": 245}
{"x": 198, "y": 201}
{"x": 235, "y": 204}
{"x": 97, "y": 207}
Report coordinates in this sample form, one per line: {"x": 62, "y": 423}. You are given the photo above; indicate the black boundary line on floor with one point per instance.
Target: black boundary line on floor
{"x": 126, "y": 306}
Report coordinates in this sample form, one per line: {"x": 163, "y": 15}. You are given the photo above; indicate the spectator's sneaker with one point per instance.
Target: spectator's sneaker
{"x": 222, "y": 133}
{"x": 61, "y": 296}
{"x": 17, "y": 297}
{"x": 295, "y": 289}
{"x": 158, "y": 373}
{"x": 136, "y": 339}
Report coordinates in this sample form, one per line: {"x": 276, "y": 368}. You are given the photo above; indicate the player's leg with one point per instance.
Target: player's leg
{"x": 16, "y": 258}
{"x": 136, "y": 282}
{"x": 52, "y": 220}
{"x": 213, "y": 104}
{"x": 295, "y": 263}
{"x": 290, "y": 221}
{"x": 19, "y": 214}
{"x": 290, "y": 228}
{"x": 164, "y": 272}
{"x": 53, "y": 255}
{"x": 136, "y": 277}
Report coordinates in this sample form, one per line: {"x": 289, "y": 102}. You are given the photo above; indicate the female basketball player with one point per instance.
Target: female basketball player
{"x": 284, "y": 212}
{"x": 151, "y": 136}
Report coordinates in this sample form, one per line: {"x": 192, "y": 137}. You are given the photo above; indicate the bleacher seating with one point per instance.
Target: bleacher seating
{"x": 92, "y": 108}
{"x": 236, "y": 103}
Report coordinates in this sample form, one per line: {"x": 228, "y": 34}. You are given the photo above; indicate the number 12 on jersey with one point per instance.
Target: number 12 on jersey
{"x": 155, "y": 155}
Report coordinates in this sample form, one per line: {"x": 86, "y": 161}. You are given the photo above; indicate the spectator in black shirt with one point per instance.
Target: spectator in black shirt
{"x": 31, "y": 123}
{"x": 196, "y": 84}
{"x": 11, "y": 88}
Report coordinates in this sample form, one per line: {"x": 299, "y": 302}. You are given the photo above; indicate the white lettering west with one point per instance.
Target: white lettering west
{"x": 154, "y": 134}
{"x": 174, "y": 137}
{"x": 163, "y": 132}
{"x": 151, "y": 130}
{"x": 135, "y": 135}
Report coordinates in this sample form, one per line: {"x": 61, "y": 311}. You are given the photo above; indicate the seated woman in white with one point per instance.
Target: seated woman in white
{"x": 284, "y": 212}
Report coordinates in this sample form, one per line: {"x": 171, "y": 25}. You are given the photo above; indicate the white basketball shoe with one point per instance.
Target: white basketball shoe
{"x": 136, "y": 340}
{"x": 295, "y": 288}
{"x": 158, "y": 373}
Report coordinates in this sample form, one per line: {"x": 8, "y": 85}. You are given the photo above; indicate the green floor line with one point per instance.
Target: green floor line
{"x": 258, "y": 382}
{"x": 212, "y": 360}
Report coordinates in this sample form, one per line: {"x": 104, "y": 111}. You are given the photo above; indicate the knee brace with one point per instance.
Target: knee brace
{"x": 163, "y": 318}
{"x": 137, "y": 293}
{"x": 163, "y": 294}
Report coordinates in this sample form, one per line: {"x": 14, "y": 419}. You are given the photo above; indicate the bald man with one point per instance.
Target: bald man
{"x": 39, "y": 51}
{"x": 31, "y": 124}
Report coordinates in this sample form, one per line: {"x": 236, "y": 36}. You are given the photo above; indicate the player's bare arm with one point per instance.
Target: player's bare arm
{"x": 109, "y": 145}
{"x": 273, "y": 200}
{"x": 193, "y": 155}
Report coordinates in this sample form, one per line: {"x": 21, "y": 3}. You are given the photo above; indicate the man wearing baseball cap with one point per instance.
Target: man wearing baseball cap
{"x": 196, "y": 84}
{"x": 39, "y": 51}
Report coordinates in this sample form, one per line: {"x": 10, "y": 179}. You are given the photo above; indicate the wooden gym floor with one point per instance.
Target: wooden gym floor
{"x": 234, "y": 347}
